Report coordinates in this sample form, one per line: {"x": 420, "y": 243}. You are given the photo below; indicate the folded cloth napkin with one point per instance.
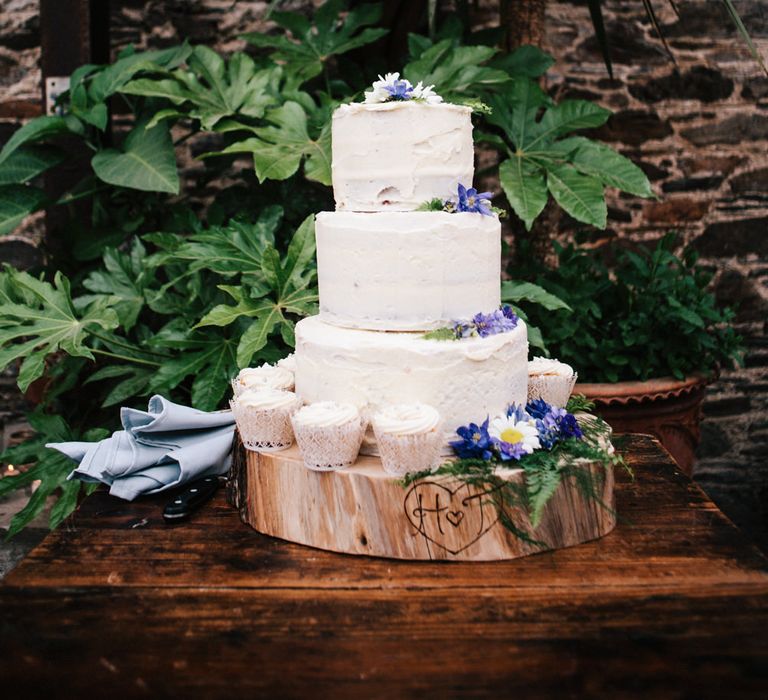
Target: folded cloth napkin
{"x": 165, "y": 446}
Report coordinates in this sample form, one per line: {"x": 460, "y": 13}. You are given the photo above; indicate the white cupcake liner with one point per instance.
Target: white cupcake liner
{"x": 329, "y": 448}
{"x": 238, "y": 388}
{"x": 555, "y": 389}
{"x": 404, "y": 454}
{"x": 264, "y": 430}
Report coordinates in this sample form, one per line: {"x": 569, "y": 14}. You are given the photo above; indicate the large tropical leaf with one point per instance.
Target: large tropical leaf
{"x": 38, "y": 318}
{"x": 580, "y": 195}
{"x": 17, "y": 202}
{"x": 28, "y": 162}
{"x": 331, "y": 34}
{"x": 38, "y": 129}
{"x": 525, "y": 187}
{"x": 278, "y": 149}
{"x": 147, "y": 161}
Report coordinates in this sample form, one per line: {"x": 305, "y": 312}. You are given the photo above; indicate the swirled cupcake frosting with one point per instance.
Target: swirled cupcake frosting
{"x": 406, "y": 419}
{"x": 288, "y": 363}
{"x": 266, "y": 399}
{"x": 545, "y": 366}
{"x": 266, "y": 376}
{"x": 324, "y": 414}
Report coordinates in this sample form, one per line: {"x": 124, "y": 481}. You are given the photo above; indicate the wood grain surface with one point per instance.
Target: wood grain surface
{"x": 672, "y": 604}
{"x": 364, "y": 510}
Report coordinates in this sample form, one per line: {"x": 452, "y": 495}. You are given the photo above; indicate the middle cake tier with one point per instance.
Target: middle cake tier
{"x": 406, "y": 271}
{"x": 465, "y": 380}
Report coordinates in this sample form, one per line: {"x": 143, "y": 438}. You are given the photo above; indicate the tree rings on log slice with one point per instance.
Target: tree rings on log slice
{"x": 364, "y": 510}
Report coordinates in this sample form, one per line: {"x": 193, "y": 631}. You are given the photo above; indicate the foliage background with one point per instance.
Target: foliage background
{"x": 706, "y": 179}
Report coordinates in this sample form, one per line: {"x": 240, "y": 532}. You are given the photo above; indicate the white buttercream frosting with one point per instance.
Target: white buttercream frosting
{"x": 464, "y": 380}
{"x": 324, "y": 414}
{"x": 266, "y": 376}
{"x": 288, "y": 363}
{"x": 546, "y": 366}
{"x": 266, "y": 399}
{"x": 406, "y": 419}
{"x": 406, "y": 270}
{"x": 398, "y": 155}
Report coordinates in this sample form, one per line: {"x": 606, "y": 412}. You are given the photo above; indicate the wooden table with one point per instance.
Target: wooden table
{"x": 673, "y": 603}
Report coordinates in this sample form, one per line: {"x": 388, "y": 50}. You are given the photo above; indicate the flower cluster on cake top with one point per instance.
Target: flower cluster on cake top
{"x": 392, "y": 88}
{"x": 467, "y": 200}
{"x": 520, "y": 431}
{"x": 481, "y": 325}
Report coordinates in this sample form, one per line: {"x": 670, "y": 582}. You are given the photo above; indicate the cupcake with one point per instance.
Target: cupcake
{"x": 409, "y": 436}
{"x": 550, "y": 380}
{"x": 264, "y": 377}
{"x": 288, "y": 362}
{"x": 328, "y": 434}
{"x": 263, "y": 418}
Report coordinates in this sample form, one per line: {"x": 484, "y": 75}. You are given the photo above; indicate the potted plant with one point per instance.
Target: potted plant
{"x": 644, "y": 333}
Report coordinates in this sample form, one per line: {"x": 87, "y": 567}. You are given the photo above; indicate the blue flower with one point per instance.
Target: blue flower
{"x": 508, "y": 313}
{"x": 475, "y": 442}
{"x": 554, "y": 423}
{"x": 472, "y": 201}
{"x": 399, "y": 90}
{"x": 518, "y": 413}
{"x": 464, "y": 330}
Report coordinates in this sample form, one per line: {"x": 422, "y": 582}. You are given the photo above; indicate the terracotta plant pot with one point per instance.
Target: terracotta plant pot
{"x": 667, "y": 408}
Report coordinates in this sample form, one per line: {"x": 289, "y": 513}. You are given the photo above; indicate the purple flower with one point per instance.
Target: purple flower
{"x": 470, "y": 200}
{"x": 400, "y": 90}
{"x": 508, "y": 313}
{"x": 509, "y": 451}
{"x": 553, "y": 423}
{"x": 475, "y": 442}
{"x": 463, "y": 330}
{"x": 518, "y": 413}
{"x": 493, "y": 323}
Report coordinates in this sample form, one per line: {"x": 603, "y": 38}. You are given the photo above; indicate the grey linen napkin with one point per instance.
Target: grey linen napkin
{"x": 165, "y": 446}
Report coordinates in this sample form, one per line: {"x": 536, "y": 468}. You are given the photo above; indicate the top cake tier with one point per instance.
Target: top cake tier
{"x": 394, "y": 156}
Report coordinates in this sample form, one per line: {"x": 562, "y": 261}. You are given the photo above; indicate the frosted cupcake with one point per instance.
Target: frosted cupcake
{"x": 328, "y": 434}
{"x": 263, "y": 418}
{"x": 550, "y": 380}
{"x": 265, "y": 377}
{"x": 409, "y": 436}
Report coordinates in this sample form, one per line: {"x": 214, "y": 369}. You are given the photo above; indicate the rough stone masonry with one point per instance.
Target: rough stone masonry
{"x": 698, "y": 127}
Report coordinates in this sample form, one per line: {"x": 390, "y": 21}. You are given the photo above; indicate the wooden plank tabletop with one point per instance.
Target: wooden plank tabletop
{"x": 673, "y": 603}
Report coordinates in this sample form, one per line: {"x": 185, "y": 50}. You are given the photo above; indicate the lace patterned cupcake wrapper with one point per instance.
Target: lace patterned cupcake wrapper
{"x": 264, "y": 430}
{"x": 329, "y": 448}
{"x": 404, "y": 454}
{"x": 555, "y": 389}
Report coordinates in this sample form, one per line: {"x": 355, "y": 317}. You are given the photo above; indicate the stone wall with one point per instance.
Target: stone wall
{"x": 699, "y": 128}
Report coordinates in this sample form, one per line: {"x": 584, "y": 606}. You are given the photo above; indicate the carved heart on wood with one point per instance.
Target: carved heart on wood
{"x": 450, "y": 518}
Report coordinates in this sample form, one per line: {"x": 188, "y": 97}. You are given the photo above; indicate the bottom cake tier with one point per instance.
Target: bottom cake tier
{"x": 465, "y": 380}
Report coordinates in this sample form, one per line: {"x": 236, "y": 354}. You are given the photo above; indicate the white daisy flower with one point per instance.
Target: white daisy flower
{"x": 427, "y": 94}
{"x": 522, "y": 434}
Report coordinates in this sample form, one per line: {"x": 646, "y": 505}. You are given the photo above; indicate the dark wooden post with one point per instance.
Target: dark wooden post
{"x": 72, "y": 32}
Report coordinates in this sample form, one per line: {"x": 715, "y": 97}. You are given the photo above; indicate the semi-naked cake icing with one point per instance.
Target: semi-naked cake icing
{"x": 406, "y": 270}
{"x": 397, "y": 155}
{"x": 461, "y": 379}
{"x": 388, "y": 273}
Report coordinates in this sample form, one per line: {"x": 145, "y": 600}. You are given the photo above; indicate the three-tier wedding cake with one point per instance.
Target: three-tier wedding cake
{"x": 389, "y": 272}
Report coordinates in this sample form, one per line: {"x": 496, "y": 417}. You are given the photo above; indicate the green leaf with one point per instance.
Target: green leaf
{"x": 525, "y": 187}
{"x": 515, "y": 292}
{"x": 66, "y": 503}
{"x": 580, "y": 195}
{"x": 515, "y": 110}
{"x": 147, "y": 161}
{"x": 124, "y": 277}
{"x": 27, "y": 162}
{"x": 611, "y": 168}
{"x": 255, "y": 338}
{"x": 35, "y": 130}
{"x": 278, "y": 150}
{"x": 110, "y": 79}
{"x": 301, "y": 253}
{"x": 44, "y": 315}
{"x": 568, "y": 116}
{"x": 526, "y": 61}
{"x": 332, "y": 34}
{"x": 16, "y": 203}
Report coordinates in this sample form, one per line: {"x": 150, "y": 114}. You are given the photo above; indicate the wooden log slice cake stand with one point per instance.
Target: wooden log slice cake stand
{"x": 364, "y": 510}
